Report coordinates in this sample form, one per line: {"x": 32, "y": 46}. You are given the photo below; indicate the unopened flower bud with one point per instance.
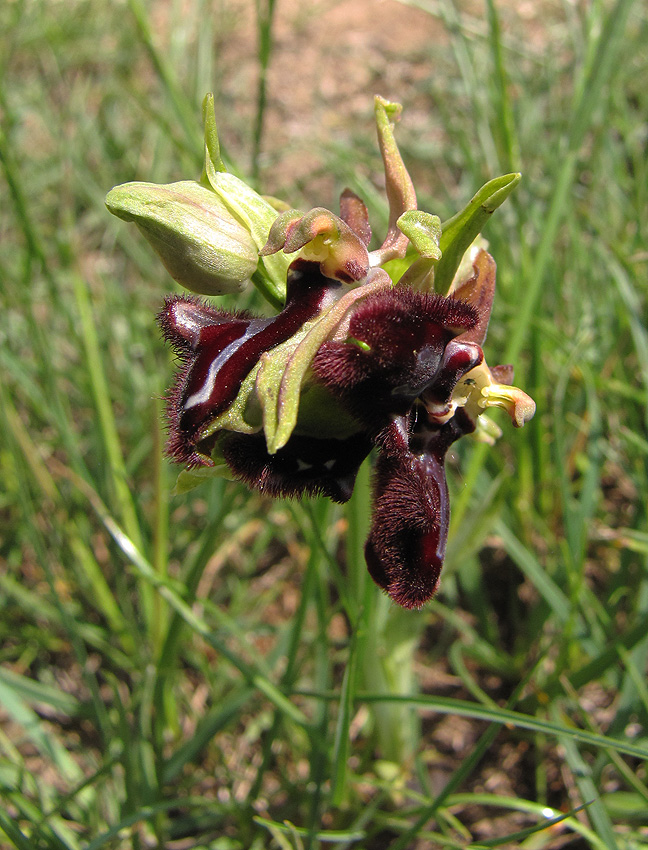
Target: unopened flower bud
{"x": 203, "y": 246}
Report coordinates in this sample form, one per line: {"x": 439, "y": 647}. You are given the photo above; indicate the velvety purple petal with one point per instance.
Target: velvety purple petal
{"x": 406, "y": 545}
{"x": 395, "y": 350}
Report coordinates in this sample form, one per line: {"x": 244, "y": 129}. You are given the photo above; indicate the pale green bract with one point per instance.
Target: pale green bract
{"x": 203, "y": 246}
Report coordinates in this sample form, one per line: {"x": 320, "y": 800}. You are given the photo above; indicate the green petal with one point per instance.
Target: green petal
{"x": 424, "y": 232}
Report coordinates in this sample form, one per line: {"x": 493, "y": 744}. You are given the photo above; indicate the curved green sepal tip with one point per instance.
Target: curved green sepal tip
{"x": 258, "y": 217}
{"x": 459, "y": 231}
{"x": 213, "y": 160}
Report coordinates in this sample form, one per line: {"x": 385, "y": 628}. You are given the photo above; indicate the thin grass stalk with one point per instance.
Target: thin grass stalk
{"x": 313, "y": 533}
{"x": 35, "y": 256}
{"x": 465, "y": 769}
{"x": 289, "y": 677}
{"x": 265, "y": 10}
{"x": 185, "y": 113}
{"x": 160, "y": 528}
{"x": 103, "y": 595}
{"x": 589, "y": 792}
{"x": 504, "y": 124}
{"x": 250, "y": 672}
{"x": 99, "y": 386}
{"x": 168, "y": 657}
{"x": 608, "y": 44}
{"x": 318, "y": 738}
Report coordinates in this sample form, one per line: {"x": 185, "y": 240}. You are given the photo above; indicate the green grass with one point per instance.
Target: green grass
{"x": 216, "y": 671}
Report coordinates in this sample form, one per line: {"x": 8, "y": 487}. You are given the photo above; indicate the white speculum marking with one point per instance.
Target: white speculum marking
{"x": 302, "y": 466}
{"x": 203, "y": 395}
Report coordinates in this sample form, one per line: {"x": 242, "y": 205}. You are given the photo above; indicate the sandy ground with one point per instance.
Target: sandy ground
{"x": 328, "y": 61}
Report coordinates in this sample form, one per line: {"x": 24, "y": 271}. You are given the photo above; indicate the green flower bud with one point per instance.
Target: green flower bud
{"x": 203, "y": 246}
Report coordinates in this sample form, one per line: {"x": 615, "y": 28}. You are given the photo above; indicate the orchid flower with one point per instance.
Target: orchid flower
{"x": 371, "y": 348}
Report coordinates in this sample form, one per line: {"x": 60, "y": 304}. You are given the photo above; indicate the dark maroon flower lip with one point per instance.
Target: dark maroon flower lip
{"x": 217, "y": 350}
{"x": 406, "y": 546}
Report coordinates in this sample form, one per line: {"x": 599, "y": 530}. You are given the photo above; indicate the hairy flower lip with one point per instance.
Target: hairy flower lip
{"x": 411, "y": 510}
{"x": 383, "y": 377}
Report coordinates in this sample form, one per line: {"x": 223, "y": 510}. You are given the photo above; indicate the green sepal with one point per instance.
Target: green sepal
{"x": 424, "y": 232}
{"x": 284, "y": 369}
{"x": 272, "y": 371}
{"x": 188, "y": 479}
{"x": 258, "y": 216}
{"x": 251, "y": 209}
{"x": 459, "y": 231}
{"x": 203, "y": 246}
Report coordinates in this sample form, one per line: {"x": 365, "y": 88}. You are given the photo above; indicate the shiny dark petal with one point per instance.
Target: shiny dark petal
{"x": 217, "y": 351}
{"x": 183, "y": 318}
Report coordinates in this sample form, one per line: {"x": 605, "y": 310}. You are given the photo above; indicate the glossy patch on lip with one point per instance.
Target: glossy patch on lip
{"x": 217, "y": 350}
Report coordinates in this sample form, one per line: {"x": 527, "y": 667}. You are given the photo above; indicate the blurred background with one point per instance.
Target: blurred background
{"x": 215, "y": 670}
